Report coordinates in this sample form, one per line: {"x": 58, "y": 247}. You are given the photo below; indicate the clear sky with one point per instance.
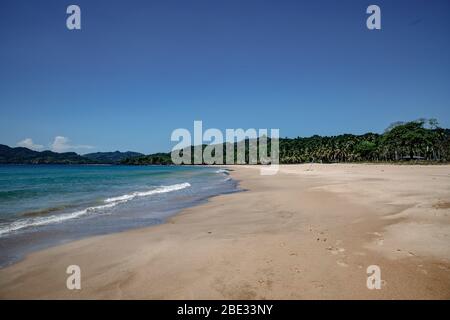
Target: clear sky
{"x": 140, "y": 69}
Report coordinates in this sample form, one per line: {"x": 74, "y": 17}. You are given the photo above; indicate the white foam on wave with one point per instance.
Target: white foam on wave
{"x": 224, "y": 171}
{"x": 109, "y": 203}
{"x": 163, "y": 189}
{"x": 34, "y": 222}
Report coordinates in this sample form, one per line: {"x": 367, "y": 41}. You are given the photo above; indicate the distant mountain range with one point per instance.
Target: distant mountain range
{"x": 22, "y": 155}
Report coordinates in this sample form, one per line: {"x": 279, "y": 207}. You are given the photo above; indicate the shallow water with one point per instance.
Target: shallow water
{"x": 44, "y": 205}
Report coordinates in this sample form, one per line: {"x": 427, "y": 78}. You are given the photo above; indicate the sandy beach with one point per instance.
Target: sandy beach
{"x": 309, "y": 232}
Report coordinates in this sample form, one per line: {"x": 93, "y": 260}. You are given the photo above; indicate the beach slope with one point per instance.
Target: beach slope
{"x": 309, "y": 232}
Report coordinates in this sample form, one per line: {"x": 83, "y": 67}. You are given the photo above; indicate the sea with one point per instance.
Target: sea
{"x": 47, "y": 205}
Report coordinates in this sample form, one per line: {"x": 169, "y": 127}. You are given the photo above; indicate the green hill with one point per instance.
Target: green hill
{"x": 112, "y": 157}
{"x": 22, "y": 155}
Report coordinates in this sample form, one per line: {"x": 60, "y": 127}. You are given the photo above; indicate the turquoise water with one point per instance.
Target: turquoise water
{"x": 41, "y": 205}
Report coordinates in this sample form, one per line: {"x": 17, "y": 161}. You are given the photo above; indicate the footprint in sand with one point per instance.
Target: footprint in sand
{"x": 341, "y": 263}
{"x": 335, "y": 250}
{"x": 443, "y": 267}
{"x": 380, "y": 242}
{"x": 317, "y": 284}
{"x": 422, "y": 270}
{"x": 297, "y": 270}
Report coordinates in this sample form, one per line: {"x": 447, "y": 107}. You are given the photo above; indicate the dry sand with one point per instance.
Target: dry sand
{"x": 308, "y": 232}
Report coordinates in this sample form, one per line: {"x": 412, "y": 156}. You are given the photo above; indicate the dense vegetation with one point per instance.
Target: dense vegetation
{"x": 416, "y": 140}
{"x": 22, "y": 155}
{"x": 420, "y": 141}
{"x": 111, "y": 157}
{"x": 156, "y": 158}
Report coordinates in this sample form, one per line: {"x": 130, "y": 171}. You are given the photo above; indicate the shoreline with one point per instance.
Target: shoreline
{"x": 69, "y": 227}
{"x": 307, "y": 233}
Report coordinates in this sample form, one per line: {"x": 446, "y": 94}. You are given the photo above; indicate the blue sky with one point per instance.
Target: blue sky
{"x": 140, "y": 69}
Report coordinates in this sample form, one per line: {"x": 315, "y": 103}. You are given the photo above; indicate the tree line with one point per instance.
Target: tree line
{"x": 419, "y": 141}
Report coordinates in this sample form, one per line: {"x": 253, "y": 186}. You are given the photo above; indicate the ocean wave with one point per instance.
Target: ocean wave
{"x": 224, "y": 171}
{"x": 109, "y": 203}
{"x": 34, "y": 222}
{"x": 163, "y": 189}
